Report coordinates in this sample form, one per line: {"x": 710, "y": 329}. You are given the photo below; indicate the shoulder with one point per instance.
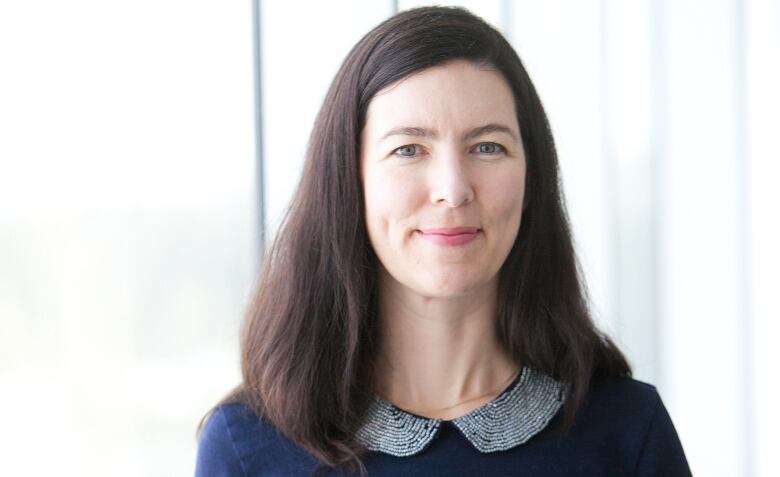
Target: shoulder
{"x": 623, "y": 396}
{"x": 235, "y": 422}
{"x": 630, "y": 418}
{"x": 620, "y": 408}
{"x": 235, "y": 442}
{"x": 218, "y": 452}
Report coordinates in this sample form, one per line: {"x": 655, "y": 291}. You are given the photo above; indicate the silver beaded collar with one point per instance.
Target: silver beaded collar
{"x": 516, "y": 415}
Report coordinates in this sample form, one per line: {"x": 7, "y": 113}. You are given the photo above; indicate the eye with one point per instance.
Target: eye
{"x": 408, "y": 150}
{"x": 489, "y": 148}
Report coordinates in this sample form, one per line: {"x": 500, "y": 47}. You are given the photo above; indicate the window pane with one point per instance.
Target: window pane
{"x": 127, "y": 229}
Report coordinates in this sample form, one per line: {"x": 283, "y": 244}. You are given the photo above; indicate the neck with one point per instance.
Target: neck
{"x": 437, "y": 353}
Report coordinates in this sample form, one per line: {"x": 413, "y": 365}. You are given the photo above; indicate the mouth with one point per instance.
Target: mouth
{"x": 450, "y": 237}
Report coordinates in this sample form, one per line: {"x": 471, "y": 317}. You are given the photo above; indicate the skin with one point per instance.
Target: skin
{"x": 437, "y": 304}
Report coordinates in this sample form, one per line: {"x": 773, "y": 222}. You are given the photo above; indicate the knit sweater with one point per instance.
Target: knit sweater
{"x": 622, "y": 429}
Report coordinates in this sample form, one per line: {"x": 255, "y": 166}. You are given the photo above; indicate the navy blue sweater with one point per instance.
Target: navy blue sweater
{"x": 623, "y": 429}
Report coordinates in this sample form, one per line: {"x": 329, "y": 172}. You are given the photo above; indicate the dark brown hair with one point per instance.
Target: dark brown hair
{"x": 310, "y": 334}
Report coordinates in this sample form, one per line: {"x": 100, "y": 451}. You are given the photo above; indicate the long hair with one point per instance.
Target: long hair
{"x": 310, "y": 333}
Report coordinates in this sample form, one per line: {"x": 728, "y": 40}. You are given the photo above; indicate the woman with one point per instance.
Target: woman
{"x": 420, "y": 312}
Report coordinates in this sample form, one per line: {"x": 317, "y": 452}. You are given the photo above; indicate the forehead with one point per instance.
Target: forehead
{"x": 457, "y": 95}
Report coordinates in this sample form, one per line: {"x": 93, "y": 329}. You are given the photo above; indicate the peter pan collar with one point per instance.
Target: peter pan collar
{"x": 516, "y": 415}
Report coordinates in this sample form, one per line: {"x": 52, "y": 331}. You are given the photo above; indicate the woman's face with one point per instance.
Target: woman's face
{"x": 443, "y": 173}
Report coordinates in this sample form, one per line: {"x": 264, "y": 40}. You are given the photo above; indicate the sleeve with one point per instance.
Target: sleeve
{"x": 217, "y": 456}
{"x": 662, "y": 452}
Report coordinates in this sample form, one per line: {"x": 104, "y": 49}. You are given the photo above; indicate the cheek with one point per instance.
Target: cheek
{"x": 387, "y": 206}
{"x": 376, "y": 204}
{"x": 507, "y": 202}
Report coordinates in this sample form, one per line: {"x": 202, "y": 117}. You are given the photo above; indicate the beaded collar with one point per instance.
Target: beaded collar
{"x": 523, "y": 409}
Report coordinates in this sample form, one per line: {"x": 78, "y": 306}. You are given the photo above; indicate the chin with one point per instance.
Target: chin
{"x": 447, "y": 287}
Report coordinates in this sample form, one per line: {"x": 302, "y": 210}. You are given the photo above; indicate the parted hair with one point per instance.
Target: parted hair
{"x": 310, "y": 334}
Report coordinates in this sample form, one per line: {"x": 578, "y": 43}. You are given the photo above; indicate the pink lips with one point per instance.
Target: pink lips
{"x": 451, "y": 237}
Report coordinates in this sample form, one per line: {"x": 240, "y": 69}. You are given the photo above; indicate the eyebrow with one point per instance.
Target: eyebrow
{"x": 471, "y": 134}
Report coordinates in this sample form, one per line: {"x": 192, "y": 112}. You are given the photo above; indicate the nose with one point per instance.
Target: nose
{"x": 450, "y": 181}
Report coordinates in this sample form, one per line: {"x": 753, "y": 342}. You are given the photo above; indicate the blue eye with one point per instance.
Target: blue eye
{"x": 489, "y": 148}
{"x": 406, "y": 151}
